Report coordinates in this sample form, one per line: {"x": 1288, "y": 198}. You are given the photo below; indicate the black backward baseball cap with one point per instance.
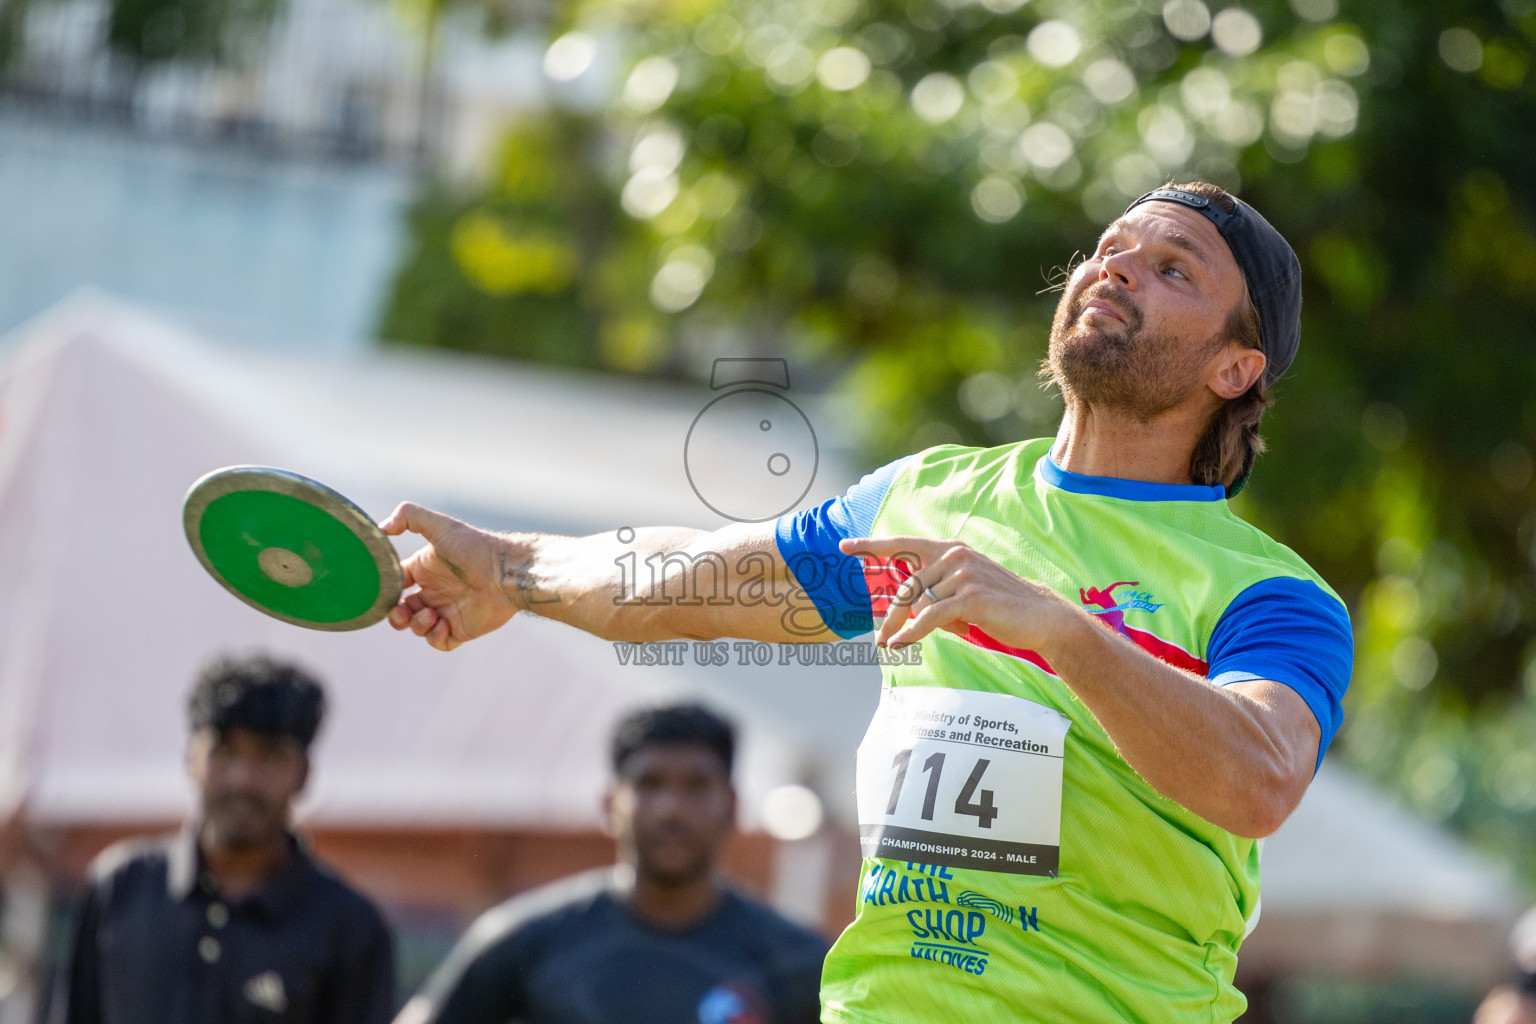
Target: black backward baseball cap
{"x": 1269, "y": 267}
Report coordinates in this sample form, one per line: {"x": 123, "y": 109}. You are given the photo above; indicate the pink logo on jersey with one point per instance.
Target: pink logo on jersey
{"x": 1113, "y": 611}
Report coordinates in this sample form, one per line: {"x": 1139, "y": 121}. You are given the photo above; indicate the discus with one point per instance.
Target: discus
{"x": 292, "y": 547}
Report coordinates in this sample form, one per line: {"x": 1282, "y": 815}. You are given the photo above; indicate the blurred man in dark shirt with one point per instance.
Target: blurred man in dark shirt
{"x": 655, "y": 940}
{"x": 231, "y": 922}
{"x": 1515, "y": 1002}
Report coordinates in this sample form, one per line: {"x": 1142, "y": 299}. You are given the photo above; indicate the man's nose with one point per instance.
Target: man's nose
{"x": 670, "y": 803}
{"x": 241, "y": 773}
{"x": 1120, "y": 267}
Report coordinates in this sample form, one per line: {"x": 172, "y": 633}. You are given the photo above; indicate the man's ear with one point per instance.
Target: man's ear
{"x": 607, "y": 804}
{"x": 1236, "y": 369}
{"x": 196, "y": 756}
{"x": 303, "y": 773}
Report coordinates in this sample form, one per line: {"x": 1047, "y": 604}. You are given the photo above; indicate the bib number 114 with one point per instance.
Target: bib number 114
{"x": 963, "y": 778}
{"x": 983, "y": 810}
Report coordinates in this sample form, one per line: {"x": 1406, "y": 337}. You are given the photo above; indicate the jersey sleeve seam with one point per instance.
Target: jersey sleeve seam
{"x": 1240, "y": 590}
{"x": 885, "y": 498}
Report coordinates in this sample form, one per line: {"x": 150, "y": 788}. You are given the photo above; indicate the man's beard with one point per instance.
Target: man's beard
{"x": 258, "y": 825}
{"x": 1124, "y": 367}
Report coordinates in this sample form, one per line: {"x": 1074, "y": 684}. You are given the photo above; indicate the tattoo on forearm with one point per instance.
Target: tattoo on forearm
{"x": 519, "y": 583}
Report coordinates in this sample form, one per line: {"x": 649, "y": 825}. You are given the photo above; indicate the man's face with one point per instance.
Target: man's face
{"x": 1142, "y": 318}
{"x": 671, "y": 809}
{"x": 246, "y": 781}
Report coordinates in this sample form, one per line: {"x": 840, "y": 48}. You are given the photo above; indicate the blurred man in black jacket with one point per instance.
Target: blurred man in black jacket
{"x": 232, "y": 921}
{"x": 655, "y": 940}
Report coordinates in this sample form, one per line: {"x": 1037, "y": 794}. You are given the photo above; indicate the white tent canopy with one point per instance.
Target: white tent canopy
{"x": 1354, "y": 884}
{"x": 107, "y": 416}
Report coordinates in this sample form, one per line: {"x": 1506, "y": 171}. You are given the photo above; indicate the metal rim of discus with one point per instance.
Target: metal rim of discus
{"x": 233, "y": 480}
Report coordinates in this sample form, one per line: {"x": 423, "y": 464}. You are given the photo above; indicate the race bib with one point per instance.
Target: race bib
{"x": 964, "y": 779}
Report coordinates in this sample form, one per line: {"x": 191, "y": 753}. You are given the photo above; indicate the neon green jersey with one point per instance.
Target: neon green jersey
{"x": 1017, "y": 869}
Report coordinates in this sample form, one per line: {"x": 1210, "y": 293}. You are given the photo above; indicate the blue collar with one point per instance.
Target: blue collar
{"x": 1129, "y": 490}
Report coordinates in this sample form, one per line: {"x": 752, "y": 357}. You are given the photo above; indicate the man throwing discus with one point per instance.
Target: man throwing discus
{"x": 1121, "y": 688}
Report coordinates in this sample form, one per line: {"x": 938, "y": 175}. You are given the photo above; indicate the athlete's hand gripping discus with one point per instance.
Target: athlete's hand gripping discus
{"x": 293, "y": 548}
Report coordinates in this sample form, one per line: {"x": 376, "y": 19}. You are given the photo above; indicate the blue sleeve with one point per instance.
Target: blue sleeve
{"x": 1292, "y": 632}
{"x": 808, "y": 544}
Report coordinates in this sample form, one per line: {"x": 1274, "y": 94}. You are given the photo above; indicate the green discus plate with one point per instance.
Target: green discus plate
{"x": 292, "y": 547}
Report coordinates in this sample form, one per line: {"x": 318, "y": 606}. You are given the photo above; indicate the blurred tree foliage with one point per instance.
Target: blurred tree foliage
{"x": 149, "y": 32}
{"x": 215, "y": 31}
{"x": 881, "y": 190}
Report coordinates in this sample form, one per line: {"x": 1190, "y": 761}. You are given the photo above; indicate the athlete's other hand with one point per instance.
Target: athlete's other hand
{"x": 954, "y": 587}
{"x": 458, "y": 576}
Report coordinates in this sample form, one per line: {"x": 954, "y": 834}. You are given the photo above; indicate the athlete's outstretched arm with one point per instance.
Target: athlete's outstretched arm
{"x": 1239, "y": 755}
{"x": 652, "y": 583}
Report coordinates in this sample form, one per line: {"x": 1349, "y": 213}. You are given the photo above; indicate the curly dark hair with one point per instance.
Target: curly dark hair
{"x": 674, "y": 723}
{"x": 258, "y": 693}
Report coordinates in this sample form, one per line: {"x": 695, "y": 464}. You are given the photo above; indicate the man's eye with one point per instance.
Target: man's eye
{"x": 1175, "y": 272}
